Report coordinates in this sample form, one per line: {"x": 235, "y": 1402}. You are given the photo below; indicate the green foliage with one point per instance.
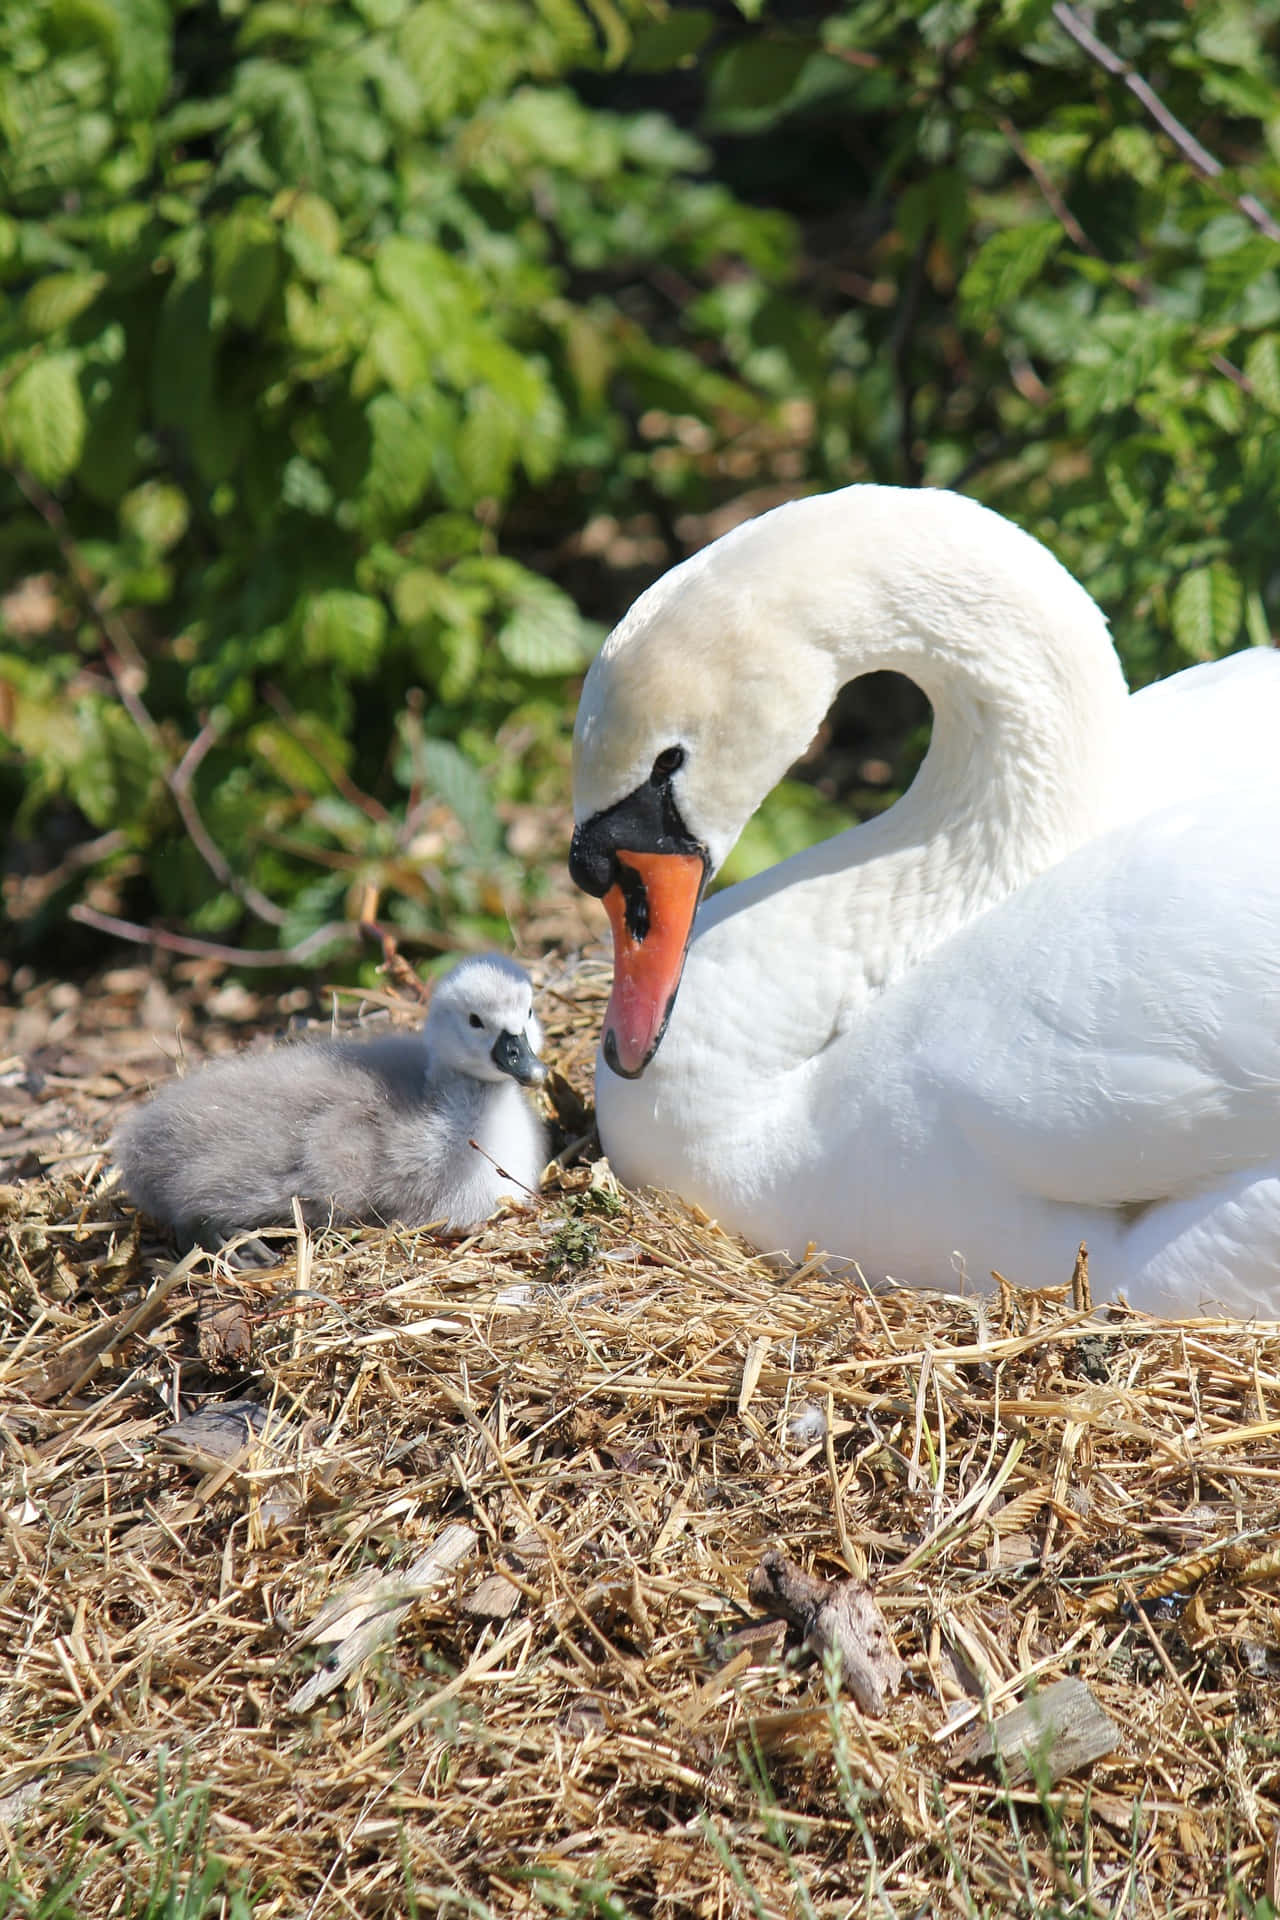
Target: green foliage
{"x": 331, "y": 336}
{"x": 292, "y": 330}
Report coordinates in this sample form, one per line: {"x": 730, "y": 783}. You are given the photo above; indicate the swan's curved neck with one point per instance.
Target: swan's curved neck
{"x": 1028, "y": 702}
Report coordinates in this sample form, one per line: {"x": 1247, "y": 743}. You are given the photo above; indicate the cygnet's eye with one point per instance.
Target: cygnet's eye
{"x": 476, "y": 1021}
{"x": 669, "y": 761}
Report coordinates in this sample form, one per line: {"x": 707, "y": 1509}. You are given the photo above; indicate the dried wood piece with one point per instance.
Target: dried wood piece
{"x": 223, "y": 1334}
{"x": 497, "y": 1597}
{"x": 218, "y": 1433}
{"x": 369, "y": 1611}
{"x": 1052, "y": 1734}
{"x": 244, "y": 1445}
{"x": 836, "y": 1615}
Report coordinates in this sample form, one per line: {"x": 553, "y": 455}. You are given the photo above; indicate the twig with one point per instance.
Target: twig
{"x": 179, "y": 783}
{"x": 335, "y": 930}
{"x": 1185, "y": 141}
{"x": 501, "y": 1171}
{"x": 903, "y": 330}
{"x": 1048, "y": 187}
{"x": 346, "y": 786}
{"x": 124, "y": 662}
{"x": 1141, "y": 289}
{"x": 394, "y": 964}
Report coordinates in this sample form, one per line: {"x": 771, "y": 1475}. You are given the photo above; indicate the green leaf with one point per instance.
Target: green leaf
{"x": 142, "y": 63}
{"x": 403, "y": 453}
{"x": 487, "y": 445}
{"x": 1224, "y": 234}
{"x": 428, "y": 288}
{"x": 110, "y": 457}
{"x": 671, "y": 40}
{"x": 246, "y": 263}
{"x": 59, "y": 298}
{"x": 182, "y": 361}
{"x": 1114, "y": 361}
{"x": 416, "y": 596}
{"x": 279, "y": 100}
{"x": 344, "y": 629}
{"x": 304, "y": 485}
{"x": 444, "y": 770}
{"x": 465, "y": 790}
{"x": 396, "y": 356}
{"x": 764, "y": 77}
{"x": 1005, "y": 265}
{"x": 1262, "y": 370}
{"x": 312, "y": 231}
{"x": 156, "y": 514}
{"x": 43, "y": 420}
{"x": 544, "y": 633}
{"x": 1205, "y": 610}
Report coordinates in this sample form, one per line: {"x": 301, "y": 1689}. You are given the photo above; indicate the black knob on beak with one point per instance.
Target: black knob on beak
{"x": 512, "y": 1053}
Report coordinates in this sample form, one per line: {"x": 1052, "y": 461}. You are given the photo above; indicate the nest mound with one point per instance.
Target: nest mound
{"x": 406, "y": 1577}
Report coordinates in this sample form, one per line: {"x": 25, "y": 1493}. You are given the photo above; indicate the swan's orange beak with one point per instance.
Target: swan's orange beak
{"x": 652, "y": 918}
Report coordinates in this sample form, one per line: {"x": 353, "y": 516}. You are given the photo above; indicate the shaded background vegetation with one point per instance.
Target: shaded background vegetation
{"x": 361, "y": 359}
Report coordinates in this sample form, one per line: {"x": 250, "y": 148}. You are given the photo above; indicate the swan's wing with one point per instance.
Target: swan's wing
{"x": 1112, "y": 1033}
{"x": 1209, "y": 729}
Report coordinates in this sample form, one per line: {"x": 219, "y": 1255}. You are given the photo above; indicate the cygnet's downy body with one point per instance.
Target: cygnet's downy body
{"x": 419, "y": 1128}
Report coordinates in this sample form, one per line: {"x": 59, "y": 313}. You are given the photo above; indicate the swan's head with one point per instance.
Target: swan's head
{"x": 481, "y": 1022}
{"x": 719, "y": 676}
{"x": 695, "y": 707}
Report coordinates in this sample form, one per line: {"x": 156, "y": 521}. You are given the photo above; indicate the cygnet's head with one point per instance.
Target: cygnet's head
{"x": 481, "y": 1021}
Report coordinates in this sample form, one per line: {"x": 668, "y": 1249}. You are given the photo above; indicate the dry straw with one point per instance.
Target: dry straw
{"x": 458, "y": 1616}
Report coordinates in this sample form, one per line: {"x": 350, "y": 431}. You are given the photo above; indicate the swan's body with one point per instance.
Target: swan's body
{"x": 423, "y": 1128}
{"x": 1037, "y": 1002}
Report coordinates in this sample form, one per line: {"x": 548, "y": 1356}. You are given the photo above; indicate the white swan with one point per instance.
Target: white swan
{"x": 1036, "y": 1002}
{"x": 423, "y": 1127}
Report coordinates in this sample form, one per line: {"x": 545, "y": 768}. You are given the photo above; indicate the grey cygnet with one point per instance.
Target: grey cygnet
{"x": 355, "y": 1130}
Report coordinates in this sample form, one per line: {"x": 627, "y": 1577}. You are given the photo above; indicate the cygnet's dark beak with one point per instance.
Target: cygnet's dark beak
{"x": 513, "y": 1054}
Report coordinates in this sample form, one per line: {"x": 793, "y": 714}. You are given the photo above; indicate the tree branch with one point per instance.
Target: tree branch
{"x": 335, "y": 930}
{"x": 1185, "y": 141}
{"x": 1142, "y": 290}
{"x": 346, "y": 786}
{"x": 903, "y": 329}
{"x": 125, "y": 664}
{"x": 179, "y": 782}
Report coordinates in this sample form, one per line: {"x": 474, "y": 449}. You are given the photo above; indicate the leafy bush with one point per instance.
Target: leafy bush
{"x": 1045, "y": 243}
{"x": 289, "y": 333}
{"x": 357, "y": 357}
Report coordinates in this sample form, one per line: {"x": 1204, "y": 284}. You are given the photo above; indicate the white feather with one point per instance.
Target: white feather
{"x": 1038, "y": 1000}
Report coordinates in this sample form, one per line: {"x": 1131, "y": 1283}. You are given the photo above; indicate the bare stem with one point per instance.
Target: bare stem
{"x": 184, "y": 943}
{"x": 179, "y": 781}
{"x": 1198, "y": 156}
{"x": 1141, "y": 289}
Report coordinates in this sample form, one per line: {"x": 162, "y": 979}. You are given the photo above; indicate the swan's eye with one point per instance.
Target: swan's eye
{"x": 476, "y": 1021}
{"x": 669, "y": 761}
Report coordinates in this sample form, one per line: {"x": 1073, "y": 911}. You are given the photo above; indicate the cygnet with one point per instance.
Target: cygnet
{"x": 420, "y": 1128}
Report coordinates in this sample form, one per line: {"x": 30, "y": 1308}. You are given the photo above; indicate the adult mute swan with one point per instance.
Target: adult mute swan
{"x": 418, "y": 1127}
{"x": 1035, "y": 1002}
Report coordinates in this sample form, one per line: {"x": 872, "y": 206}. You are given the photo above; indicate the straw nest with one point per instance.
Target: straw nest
{"x": 419, "y": 1577}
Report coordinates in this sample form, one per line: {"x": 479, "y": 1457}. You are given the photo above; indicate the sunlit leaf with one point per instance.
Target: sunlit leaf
{"x": 42, "y": 418}
{"x": 1205, "y": 610}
